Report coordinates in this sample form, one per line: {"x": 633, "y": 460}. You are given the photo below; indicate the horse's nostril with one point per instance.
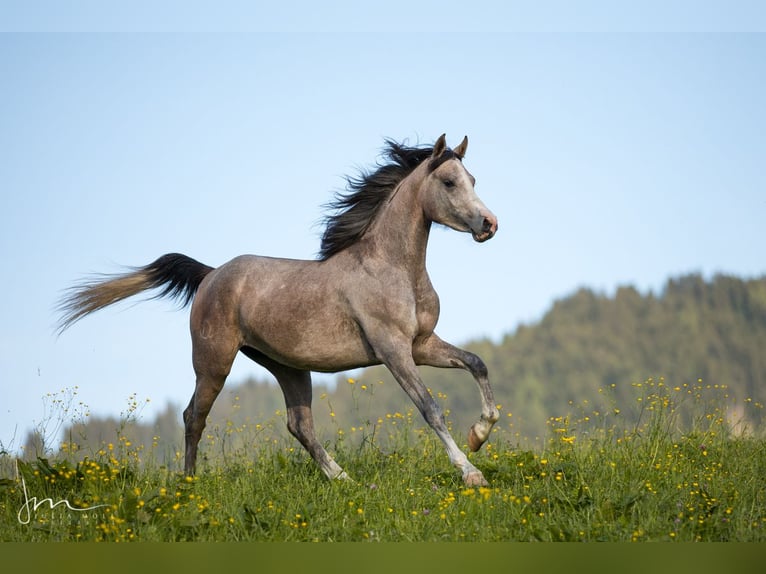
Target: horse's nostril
{"x": 486, "y": 225}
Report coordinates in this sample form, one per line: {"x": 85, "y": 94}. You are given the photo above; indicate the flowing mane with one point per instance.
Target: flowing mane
{"x": 354, "y": 210}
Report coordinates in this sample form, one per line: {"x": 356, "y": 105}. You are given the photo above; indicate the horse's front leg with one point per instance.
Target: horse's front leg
{"x": 398, "y": 359}
{"x": 434, "y": 352}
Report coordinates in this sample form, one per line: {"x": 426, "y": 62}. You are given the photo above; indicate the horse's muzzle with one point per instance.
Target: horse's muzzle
{"x": 487, "y": 230}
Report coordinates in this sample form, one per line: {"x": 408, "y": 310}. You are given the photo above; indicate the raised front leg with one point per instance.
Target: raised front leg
{"x": 399, "y": 360}
{"x": 437, "y": 353}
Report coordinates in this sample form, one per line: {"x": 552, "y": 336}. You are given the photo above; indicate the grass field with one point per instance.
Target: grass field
{"x": 677, "y": 472}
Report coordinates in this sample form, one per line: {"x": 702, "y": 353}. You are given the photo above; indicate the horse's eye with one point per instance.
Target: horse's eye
{"x": 448, "y": 183}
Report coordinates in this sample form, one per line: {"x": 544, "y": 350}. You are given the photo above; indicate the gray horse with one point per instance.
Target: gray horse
{"x": 366, "y": 300}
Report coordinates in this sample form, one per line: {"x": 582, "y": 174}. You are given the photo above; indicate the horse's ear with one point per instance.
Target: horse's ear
{"x": 440, "y": 146}
{"x": 461, "y": 149}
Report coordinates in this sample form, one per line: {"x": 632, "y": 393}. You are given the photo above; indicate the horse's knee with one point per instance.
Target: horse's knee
{"x": 476, "y": 366}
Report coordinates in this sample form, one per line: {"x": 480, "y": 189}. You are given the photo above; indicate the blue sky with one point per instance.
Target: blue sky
{"x": 609, "y": 159}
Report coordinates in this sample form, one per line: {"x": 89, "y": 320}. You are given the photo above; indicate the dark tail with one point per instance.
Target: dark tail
{"x": 177, "y": 275}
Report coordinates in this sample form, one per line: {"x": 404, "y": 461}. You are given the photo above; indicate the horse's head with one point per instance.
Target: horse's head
{"x": 448, "y": 194}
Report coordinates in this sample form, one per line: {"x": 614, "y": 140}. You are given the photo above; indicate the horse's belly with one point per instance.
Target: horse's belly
{"x": 316, "y": 348}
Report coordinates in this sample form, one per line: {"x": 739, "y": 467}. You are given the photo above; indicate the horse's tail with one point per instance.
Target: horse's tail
{"x": 177, "y": 275}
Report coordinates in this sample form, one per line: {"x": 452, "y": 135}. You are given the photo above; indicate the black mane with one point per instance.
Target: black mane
{"x": 355, "y": 209}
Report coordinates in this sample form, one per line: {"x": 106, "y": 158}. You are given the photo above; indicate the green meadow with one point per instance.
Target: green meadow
{"x": 680, "y": 470}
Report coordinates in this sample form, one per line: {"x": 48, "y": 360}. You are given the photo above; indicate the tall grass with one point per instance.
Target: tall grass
{"x": 677, "y": 469}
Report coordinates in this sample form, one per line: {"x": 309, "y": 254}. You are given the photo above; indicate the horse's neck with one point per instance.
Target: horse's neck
{"x": 400, "y": 232}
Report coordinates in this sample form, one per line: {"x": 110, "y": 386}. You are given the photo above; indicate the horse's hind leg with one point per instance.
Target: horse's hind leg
{"x": 212, "y": 364}
{"x": 437, "y": 353}
{"x": 296, "y": 388}
{"x": 195, "y": 416}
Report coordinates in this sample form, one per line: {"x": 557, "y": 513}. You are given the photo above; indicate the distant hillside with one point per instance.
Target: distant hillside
{"x": 714, "y": 331}
{"x": 694, "y": 329}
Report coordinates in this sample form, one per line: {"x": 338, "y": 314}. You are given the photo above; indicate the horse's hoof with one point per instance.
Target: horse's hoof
{"x": 474, "y": 442}
{"x": 475, "y": 479}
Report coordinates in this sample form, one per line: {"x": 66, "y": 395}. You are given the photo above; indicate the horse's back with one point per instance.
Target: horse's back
{"x": 294, "y": 311}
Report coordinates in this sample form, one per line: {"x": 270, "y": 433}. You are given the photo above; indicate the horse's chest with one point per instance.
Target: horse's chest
{"x": 426, "y": 310}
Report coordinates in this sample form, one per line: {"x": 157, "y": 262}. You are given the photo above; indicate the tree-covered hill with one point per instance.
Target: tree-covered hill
{"x": 693, "y": 330}
{"x": 714, "y": 331}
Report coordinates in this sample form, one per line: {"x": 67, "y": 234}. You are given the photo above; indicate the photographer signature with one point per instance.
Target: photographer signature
{"x": 32, "y": 504}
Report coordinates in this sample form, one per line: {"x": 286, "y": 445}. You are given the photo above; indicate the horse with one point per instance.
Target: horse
{"x": 365, "y": 300}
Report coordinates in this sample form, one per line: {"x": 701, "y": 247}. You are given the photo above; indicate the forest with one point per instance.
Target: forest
{"x": 587, "y": 352}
